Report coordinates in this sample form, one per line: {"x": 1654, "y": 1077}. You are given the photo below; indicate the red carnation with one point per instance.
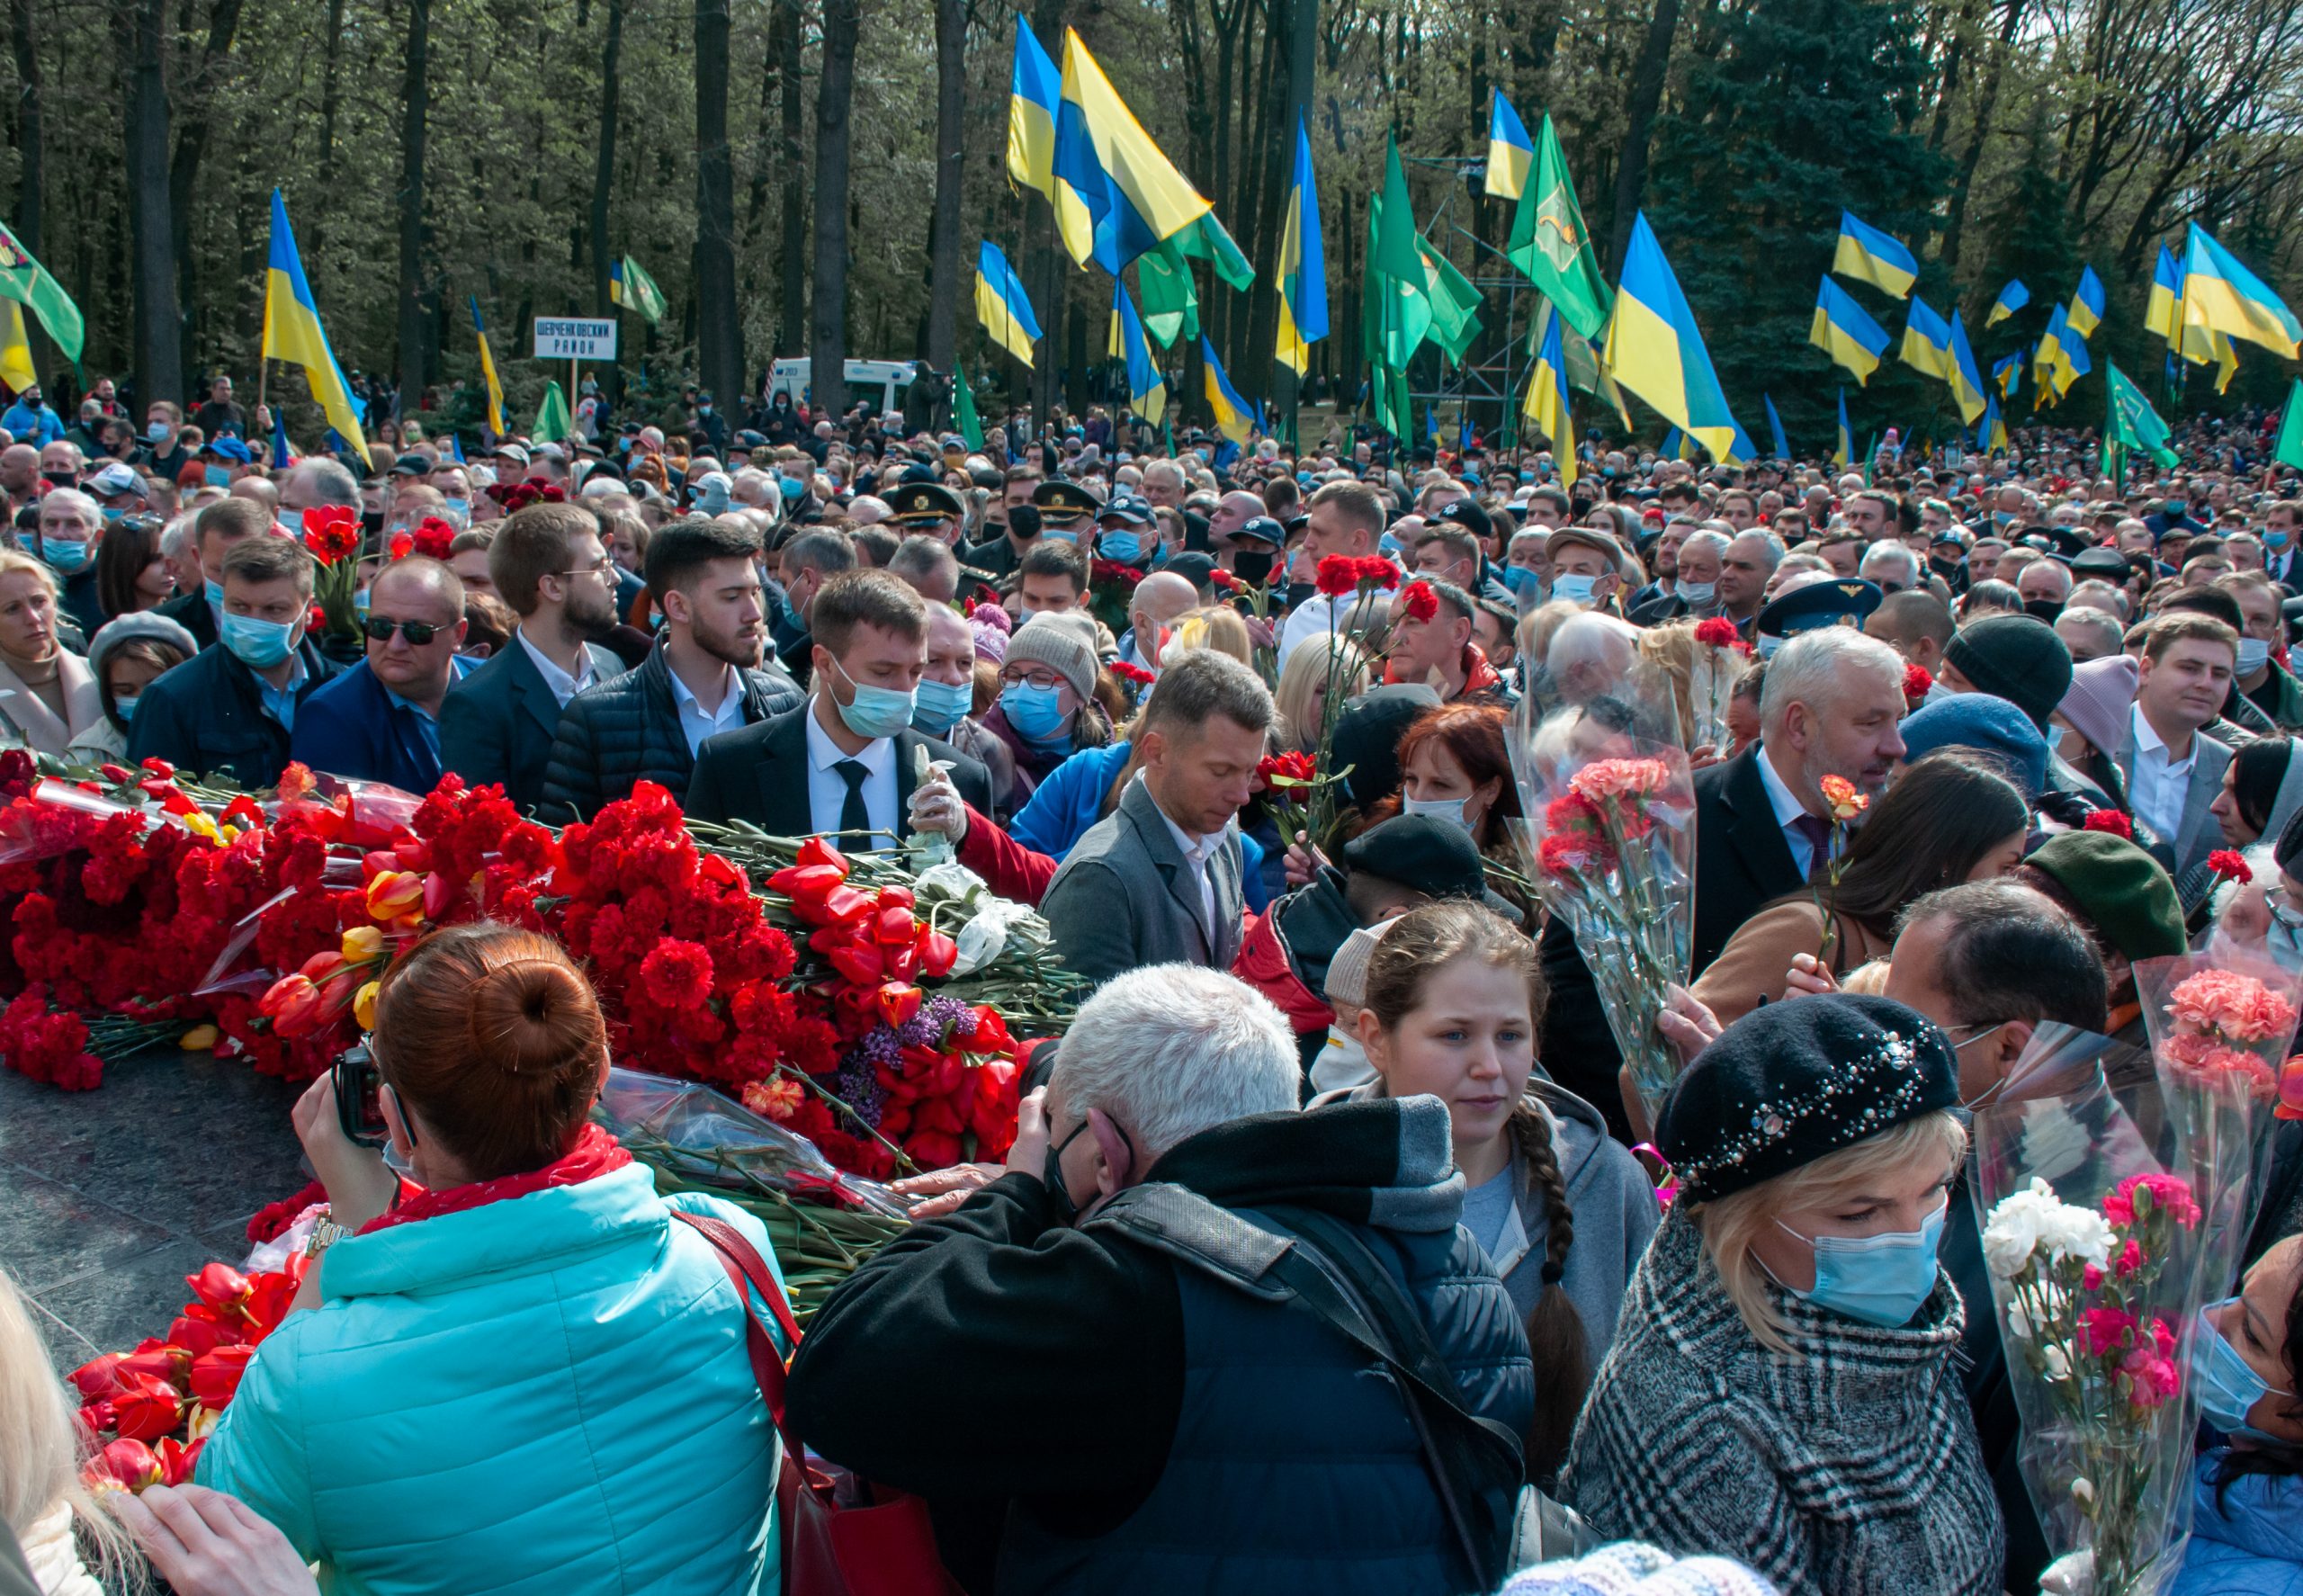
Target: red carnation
{"x": 1375, "y": 571}
{"x": 2228, "y": 864}
{"x": 433, "y": 536}
{"x": 2109, "y": 819}
{"x": 1917, "y": 683}
{"x": 1135, "y": 675}
{"x": 678, "y": 975}
{"x": 1337, "y": 575}
{"x": 1419, "y": 602}
{"x": 1718, "y": 631}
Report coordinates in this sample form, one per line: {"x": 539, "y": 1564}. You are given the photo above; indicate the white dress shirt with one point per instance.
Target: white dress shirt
{"x": 828, "y": 789}
{"x": 1196, "y": 851}
{"x": 2160, "y": 782}
{"x": 563, "y": 686}
{"x": 697, "y": 722}
{"x": 1789, "y": 810}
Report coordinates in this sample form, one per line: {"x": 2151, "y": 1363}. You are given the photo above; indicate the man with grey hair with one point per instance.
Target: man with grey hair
{"x": 1157, "y": 880}
{"x": 71, "y": 527}
{"x": 1744, "y": 572}
{"x": 1889, "y": 567}
{"x": 1167, "y": 1233}
{"x": 313, "y": 483}
{"x": 1163, "y": 484}
{"x": 928, "y": 564}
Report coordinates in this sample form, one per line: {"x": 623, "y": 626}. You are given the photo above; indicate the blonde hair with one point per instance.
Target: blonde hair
{"x": 1537, "y": 626}
{"x": 1301, "y": 675}
{"x": 1731, "y": 1224}
{"x": 1867, "y": 981}
{"x": 16, "y": 560}
{"x": 41, "y": 1443}
{"x": 1671, "y": 649}
{"x": 1217, "y": 627}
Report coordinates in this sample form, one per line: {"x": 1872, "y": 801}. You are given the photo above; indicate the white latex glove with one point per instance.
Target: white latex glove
{"x": 936, "y": 806}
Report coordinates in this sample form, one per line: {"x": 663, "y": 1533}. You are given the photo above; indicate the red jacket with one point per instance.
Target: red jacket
{"x": 1008, "y": 867}
{"x": 1264, "y": 965}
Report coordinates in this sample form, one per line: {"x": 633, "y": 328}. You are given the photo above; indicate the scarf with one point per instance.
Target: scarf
{"x": 595, "y": 1154}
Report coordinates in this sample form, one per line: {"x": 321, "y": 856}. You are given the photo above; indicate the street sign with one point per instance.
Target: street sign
{"x": 567, "y": 338}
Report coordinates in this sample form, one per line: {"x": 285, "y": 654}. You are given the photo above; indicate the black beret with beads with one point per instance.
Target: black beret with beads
{"x": 1794, "y": 1081}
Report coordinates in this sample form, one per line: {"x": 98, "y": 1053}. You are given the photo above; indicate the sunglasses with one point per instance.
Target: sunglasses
{"x": 379, "y": 630}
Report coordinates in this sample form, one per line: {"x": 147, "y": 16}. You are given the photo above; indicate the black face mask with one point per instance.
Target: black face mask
{"x": 1946, "y": 568}
{"x": 1051, "y": 1171}
{"x": 2044, "y": 609}
{"x": 1251, "y": 568}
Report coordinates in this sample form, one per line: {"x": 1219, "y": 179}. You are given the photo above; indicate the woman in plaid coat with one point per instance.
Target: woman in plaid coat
{"x": 1782, "y": 1389}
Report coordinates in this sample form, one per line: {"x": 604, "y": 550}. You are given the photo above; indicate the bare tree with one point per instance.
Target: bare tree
{"x": 835, "y": 97}
{"x": 415, "y": 89}
{"x": 719, "y": 324}
{"x": 140, "y": 28}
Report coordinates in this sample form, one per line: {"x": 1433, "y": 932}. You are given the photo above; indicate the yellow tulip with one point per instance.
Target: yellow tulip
{"x": 199, "y": 1039}
{"x": 362, "y": 943}
{"x": 364, "y": 1007}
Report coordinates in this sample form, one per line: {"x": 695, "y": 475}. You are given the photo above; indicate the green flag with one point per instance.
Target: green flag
{"x": 1397, "y": 281}
{"x": 1550, "y": 243}
{"x": 1454, "y": 303}
{"x": 2132, "y": 423}
{"x": 963, "y": 408}
{"x": 552, "y": 423}
{"x": 1206, "y": 240}
{"x": 25, "y": 281}
{"x": 2290, "y": 450}
{"x": 1170, "y": 303}
{"x": 634, "y": 289}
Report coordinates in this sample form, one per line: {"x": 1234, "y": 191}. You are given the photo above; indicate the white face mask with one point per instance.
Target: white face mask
{"x": 2254, "y": 653}
{"x": 1450, "y": 810}
{"x": 1696, "y": 592}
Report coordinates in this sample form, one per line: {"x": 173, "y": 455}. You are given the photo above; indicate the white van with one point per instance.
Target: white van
{"x": 881, "y": 383}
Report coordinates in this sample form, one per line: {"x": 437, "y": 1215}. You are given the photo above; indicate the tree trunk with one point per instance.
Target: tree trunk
{"x": 945, "y": 265}
{"x": 835, "y": 94}
{"x": 142, "y": 26}
{"x": 1986, "y": 106}
{"x": 1646, "y": 95}
{"x": 26, "y": 38}
{"x": 331, "y": 101}
{"x": 791, "y": 249}
{"x": 415, "y": 89}
{"x": 192, "y": 148}
{"x": 603, "y": 173}
{"x": 720, "y": 327}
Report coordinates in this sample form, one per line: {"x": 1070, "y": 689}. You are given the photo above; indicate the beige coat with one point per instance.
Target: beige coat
{"x": 1758, "y": 956}
{"x": 30, "y": 723}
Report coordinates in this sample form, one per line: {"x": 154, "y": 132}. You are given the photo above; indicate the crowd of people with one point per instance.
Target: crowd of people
{"x": 1344, "y": 1100}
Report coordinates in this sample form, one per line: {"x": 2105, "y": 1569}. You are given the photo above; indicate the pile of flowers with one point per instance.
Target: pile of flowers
{"x": 152, "y": 1410}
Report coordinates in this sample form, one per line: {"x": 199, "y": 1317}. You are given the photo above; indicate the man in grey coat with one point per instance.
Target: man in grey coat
{"x": 2173, "y": 769}
{"x": 1157, "y": 882}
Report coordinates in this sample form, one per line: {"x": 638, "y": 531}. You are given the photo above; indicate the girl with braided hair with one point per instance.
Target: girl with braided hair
{"x": 1452, "y": 997}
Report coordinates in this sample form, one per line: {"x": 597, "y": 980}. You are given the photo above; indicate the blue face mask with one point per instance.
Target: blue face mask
{"x": 1450, "y": 810}
{"x": 115, "y": 512}
{"x": 125, "y": 709}
{"x": 460, "y": 506}
{"x": 1520, "y": 580}
{"x": 1125, "y": 547}
{"x": 1388, "y": 545}
{"x": 1061, "y": 534}
{"x": 790, "y": 488}
{"x": 875, "y": 711}
{"x": 156, "y": 432}
{"x": 1032, "y": 711}
{"x": 940, "y": 705}
{"x": 1880, "y": 1280}
{"x": 1767, "y": 645}
{"x": 2229, "y": 1389}
{"x": 2274, "y": 539}
{"x": 1574, "y": 590}
{"x": 215, "y": 591}
{"x": 65, "y": 558}
{"x": 218, "y": 476}
{"x": 257, "y": 644}
{"x": 292, "y": 521}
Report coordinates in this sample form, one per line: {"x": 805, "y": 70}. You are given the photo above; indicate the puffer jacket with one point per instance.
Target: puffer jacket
{"x": 627, "y": 730}
{"x": 542, "y": 1396}
{"x": 2250, "y": 1543}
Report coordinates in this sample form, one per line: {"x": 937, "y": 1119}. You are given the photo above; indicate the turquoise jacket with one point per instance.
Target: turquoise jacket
{"x": 539, "y": 1396}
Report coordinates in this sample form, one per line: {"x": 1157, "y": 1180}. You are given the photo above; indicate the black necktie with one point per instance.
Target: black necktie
{"x": 1817, "y": 830}
{"x": 854, "y": 819}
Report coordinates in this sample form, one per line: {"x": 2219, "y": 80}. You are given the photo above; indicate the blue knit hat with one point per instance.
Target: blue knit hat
{"x": 1990, "y": 725}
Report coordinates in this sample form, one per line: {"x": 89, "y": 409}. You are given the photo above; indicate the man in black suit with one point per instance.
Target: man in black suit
{"x": 846, "y": 761}
{"x": 497, "y": 724}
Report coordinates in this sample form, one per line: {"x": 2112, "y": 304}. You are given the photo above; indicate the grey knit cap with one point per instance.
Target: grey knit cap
{"x": 1348, "y": 970}
{"x": 1061, "y": 645}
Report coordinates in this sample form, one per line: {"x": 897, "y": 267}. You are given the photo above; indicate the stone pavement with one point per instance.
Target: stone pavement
{"x": 110, "y": 1197}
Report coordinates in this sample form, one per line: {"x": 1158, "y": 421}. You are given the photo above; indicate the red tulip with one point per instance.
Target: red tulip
{"x": 859, "y": 965}
{"x": 992, "y": 1035}
{"x": 893, "y": 926}
{"x": 897, "y": 1003}
{"x": 293, "y": 1003}
{"x": 216, "y": 1376}
{"x": 220, "y": 1286}
{"x": 196, "y": 1336}
{"x": 177, "y": 1460}
{"x": 938, "y": 952}
{"x": 394, "y": 893}
{"x": 98, "y": 1376}
{"x": 148, "y": 1409}
{"x": 123, "y": 1465}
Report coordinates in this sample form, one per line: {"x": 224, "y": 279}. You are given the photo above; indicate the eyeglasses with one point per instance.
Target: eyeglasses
{"x": 1034, "y": 678}
{"x": 605, "y": 567}
{"x": 379, "y": 629}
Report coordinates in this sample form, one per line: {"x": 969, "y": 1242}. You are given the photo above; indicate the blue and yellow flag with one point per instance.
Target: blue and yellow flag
{"x": 1233, "y": 419}
{"x": 1677, "y": 446}
{"x": 1545, "y": 406}
{"x": 292, "y": 333}
{"x": 1843, "y": 451}
{"x": 1775, "y": 428}
{"x": 2162, "y": 312}
{"x": 1991, "y": 434}
{"x": 1845, "y": 331}
{"x": 1927, "y": 340}
{"x": 1654, "y": 349}
{"x": 1147, "y": 390}
{"x": 2011, "y": 299}
{"x": 1034, "y": 88}
{"x": 2061, "y": 359}
{"x": 1302, "y": 263}
{"x": 1869, "y": 255}
{"x": 1510, "y": 152}
{"x": 2007, "y": 375}
{"x": 1002, "y": 306}
{"x": 2086, "y": 311}
{"x": 1116, "y": 193}
{"x": 2222, "y": 296}
{"x": 487, "y": 372}
{"x": 1962, "y": 373}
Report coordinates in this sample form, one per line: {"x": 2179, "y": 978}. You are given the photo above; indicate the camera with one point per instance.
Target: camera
{"x": 359, "y": 1105}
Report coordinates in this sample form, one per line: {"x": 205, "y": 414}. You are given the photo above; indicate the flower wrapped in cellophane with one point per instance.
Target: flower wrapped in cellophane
{"x": 1610, "y": 835}
{"x": 2094, "y": 1207}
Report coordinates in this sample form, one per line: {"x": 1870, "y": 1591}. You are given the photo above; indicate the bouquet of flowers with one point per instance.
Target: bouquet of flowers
{"x": 2096, "y": 1238}
{"x": 1610, "y": 835}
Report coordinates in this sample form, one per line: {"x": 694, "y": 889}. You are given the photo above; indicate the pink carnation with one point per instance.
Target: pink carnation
{"x": 2239, "y": 1007}
{"x": 1621, "y": 779}
{"x": 2168, "y": 1192}
{"x": 2151, "y": 1376}
{"x": 2103, "y": 1330}
{"x": 2199, "y": 1054}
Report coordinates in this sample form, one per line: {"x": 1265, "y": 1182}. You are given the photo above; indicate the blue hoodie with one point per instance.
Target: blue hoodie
{"x": 2252, "y": 1545}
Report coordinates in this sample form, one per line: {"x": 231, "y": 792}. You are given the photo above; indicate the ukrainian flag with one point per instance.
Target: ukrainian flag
{"x": 1302, "y": 263}
{"x": 1147, "y": 390}
{"x": 1927, "y": 340}
{"x": 1845, "y": 331}
{"x": 1233, "y": 419}
{"x": 1510, "y": 152}
{"x": 1869, "y": 255}
{"x": 1991, "y": 437}
{"x": 1775, "y": 428}
{"x": 1545, "y": 406}
{"x": 487, "y": 372}
{"x": 1654, "y": 349}
{"x": 2223, "y": 296}
{"x": 1034, "y": 88}
{"x": 2007, "y": 376}
{"x": 1002, "y": 306}
{"x": 292, "y": 333}
{"x": 1677, "y": 446}
{"x": 2086, "y": 312}
{"x": 2062, "y": 359}
{"x": 1117, "y": 194}
{"x": 1844, "y": 451}
{"x": 1963, "y": 374}
{"x": 2162, "y": 312}
{"x": 2011, "y": 299}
